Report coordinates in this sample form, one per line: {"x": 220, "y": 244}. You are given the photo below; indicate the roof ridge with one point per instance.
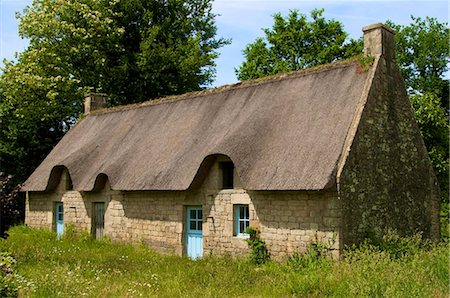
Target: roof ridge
{"x": 234, "y": 86}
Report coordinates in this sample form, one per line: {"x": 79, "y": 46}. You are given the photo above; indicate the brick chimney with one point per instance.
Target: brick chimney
{"x": 94, "y": 101}
{"x": 379, "y": 40}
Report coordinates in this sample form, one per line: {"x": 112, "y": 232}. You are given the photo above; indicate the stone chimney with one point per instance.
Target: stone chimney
{"x": 94, "y": 101}
{"x": 379, "y": 40}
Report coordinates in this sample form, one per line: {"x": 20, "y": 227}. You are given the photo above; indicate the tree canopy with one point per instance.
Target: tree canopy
{"x": 125, "y": 48}
{"x": 423, "y": 56}
{"x": 132, "y": 50}
{"x": 295, "y": 43}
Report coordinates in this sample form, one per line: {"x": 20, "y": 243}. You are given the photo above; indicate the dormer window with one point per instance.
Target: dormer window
{"x": 227, "y": 169}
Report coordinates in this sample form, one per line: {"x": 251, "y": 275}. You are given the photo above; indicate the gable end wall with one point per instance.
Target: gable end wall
{"x": 387, "y": 180}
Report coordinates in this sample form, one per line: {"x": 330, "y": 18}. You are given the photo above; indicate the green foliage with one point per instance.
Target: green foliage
{"x": 259, "y": 253}
{"x": 7, "y": 286}
{"x": 47, "y": 267}
{"x": 422, "y": 52}
{"x": 31, "y": 123}
{"x": 10, "y": 203}
{"x": 316, "y": 255}
{"x": 445, "y": 221}
{"x": 132, "y": 50}
{"x": 70, "y": 232}
{"x": 368, "y": 271}
{"x": 295, "y": 43}
{"x": 434, "y": 127}
{"x": 392, "y": 244}
{"x": 366, "y": 62}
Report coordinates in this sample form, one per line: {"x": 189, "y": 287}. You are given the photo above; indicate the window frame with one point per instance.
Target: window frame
{"x": 238, "y": 220}
{"x": 197, "y": 219}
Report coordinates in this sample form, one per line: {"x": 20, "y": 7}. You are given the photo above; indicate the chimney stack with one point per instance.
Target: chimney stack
{"x": 94, "y": 101}
{"x": 379, "y": 40}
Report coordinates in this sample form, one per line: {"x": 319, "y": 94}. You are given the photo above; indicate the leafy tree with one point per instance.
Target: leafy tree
{"x": 295, "y": 43}
{"x": 433, "y": 124}
{"x": 11, "y": 211}
{"x": 132, "y": 50}
{"x": 423, "y": 56}
{"x": 35, "y": 111}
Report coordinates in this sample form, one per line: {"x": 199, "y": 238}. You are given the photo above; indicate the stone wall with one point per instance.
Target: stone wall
{"x": 154, "y": 218}
{"x": 39, "y": 210}
{"x": 219, "y": 234}
{"x": 288, "y": 221}
{"x": 387, "y": 180}
{"x": 40, "y": 206}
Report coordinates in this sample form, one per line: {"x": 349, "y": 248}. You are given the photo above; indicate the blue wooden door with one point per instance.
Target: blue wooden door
{"x": 59, "y": 219}
{"x": 194, "y": 241}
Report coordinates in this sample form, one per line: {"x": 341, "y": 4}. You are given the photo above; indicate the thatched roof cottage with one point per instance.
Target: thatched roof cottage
{"x": 323, "y": 154}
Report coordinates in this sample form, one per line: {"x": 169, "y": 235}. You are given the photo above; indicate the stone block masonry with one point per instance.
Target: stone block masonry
{"x": 288, "y": 221}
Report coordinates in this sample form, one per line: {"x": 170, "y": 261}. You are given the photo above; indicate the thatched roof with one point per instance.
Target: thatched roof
{"x": 285, "y": 133}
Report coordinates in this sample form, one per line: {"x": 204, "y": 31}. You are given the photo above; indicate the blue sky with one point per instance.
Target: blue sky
{"x": 242, "y": 21}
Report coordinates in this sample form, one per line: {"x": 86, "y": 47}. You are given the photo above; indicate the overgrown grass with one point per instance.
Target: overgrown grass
{"x": 78, "y": 266}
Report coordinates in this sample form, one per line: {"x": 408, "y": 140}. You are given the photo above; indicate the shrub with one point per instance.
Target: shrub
{"x": 394, "y": 245}
{"x": 11, "y": 203}
{"x": 259, "y": 253}
{"x": 317, "y": 253}
{"x": 7, "y": 285}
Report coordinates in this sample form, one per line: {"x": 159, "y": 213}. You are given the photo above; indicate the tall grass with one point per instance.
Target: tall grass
{"x": 78, "y": 266}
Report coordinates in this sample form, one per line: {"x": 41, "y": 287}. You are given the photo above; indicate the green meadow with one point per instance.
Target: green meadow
{"x": 33, "y": 263}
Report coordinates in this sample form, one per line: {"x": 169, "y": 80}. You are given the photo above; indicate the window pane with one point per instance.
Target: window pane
{"x": 199, "y": 226}
{"x": 246, "y": 213}
{"x": 192, "y": 225}
{"x": 60, "y": 216}
{"x": 241, "y": 227}
{"x": 246, "y": 224}
{"x": 241, "y": 213}
{"x": 200, "y": 214}
{"x": 193, "y": 214}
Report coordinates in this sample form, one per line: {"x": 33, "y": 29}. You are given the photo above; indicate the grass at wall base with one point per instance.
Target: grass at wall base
{"x": 34, "y": 264}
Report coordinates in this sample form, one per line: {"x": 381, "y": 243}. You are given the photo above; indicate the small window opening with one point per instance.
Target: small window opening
{"x": 227, "y": 168}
